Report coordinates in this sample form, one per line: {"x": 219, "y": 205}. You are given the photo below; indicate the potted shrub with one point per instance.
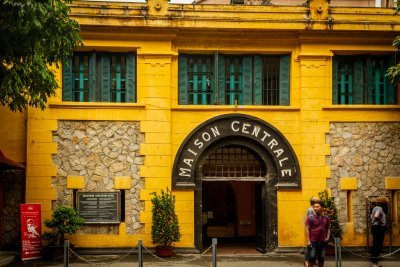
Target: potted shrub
{"x": 165, "y": 228}
{"x": 64, "y": 221}
{"x": 330, "y": 210}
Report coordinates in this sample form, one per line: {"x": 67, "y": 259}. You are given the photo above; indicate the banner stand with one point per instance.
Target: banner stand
{"x": 31, "y": 231}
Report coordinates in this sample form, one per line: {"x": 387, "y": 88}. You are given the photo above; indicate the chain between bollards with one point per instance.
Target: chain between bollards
{"x": 338, "y": 252}
{"x": 214, "y": 252}
{"x": 66, "y": 253}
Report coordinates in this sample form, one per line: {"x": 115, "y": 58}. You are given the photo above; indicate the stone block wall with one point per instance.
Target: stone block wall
{"x": 13, "y": 195}
{"x": 100, "y": 151}
{"x": 368, "y": 151}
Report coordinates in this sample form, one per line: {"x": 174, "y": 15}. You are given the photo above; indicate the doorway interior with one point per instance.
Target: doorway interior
{"x": 230, "y": 213}
{"x": 232, "y": 209}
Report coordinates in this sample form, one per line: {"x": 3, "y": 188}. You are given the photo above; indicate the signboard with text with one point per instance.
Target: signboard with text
{"x": 99, "y": 207}
{"x": 31, "y": 224}
{"x": 234, "y": 129}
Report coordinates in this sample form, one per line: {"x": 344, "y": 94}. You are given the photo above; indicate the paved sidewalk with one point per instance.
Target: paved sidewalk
{"x": 269, "y": 259}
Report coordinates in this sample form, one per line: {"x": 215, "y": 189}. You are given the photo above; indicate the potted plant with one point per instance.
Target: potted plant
{"x": 165, "y": 228}
{"x": 330, "y": 210}
{"x": 64, "y": 221}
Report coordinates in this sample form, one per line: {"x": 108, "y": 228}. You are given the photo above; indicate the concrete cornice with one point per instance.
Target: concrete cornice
{"x": 230, "y": 17}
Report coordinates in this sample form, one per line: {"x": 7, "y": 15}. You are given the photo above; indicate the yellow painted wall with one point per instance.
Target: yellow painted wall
{"x": 158, "y": 40}
{"x": 13, "y": 134}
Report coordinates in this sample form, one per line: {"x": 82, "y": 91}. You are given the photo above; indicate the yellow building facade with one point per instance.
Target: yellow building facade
{"x": 193, "y": 141}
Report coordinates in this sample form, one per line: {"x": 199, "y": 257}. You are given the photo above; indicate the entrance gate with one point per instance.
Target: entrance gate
{"x": 254, "y": 151}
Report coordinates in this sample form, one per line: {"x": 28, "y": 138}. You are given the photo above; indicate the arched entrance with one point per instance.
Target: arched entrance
{"x": 245, "y": 161}
{"x": 237, "y": 196}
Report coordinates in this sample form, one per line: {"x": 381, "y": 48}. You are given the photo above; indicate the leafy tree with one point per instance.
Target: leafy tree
{"x": 34, "y": 35}
{"x": 394, "y": 72}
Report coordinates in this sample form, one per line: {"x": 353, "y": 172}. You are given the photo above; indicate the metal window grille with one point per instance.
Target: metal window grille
{"x": 379, "y": 84}
{"x": 80, "y": 74}
{"x": 232, "y": 162}
{"x": 200, "y": 77}
{"x": 345, "y": 81}
{"x": 233, "y": 80}
{"x": 363, "y": 77}
{"x": 118, "y": 79}
{"x": 270, "y": 91}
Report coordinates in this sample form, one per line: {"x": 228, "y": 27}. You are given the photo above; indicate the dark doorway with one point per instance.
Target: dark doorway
{"x": 233, "y": 200}
{"x": 230, "y": 213}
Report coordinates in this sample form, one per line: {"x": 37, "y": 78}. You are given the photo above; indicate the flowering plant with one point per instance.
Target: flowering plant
{"x": 330, "y": 210}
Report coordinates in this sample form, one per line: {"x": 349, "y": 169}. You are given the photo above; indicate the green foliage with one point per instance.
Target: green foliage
{"x": 64, "y": 220}
{"x": 330, "y": 210}
{"x": 165, "y": 227}
{"x": 34, "y": 35}
{"x": 393, "y": 73}
{"x": 396, "y": 6}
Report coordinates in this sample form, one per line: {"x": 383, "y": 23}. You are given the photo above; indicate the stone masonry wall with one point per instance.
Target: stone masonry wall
{"x": 368, "y": 151}
{"x": 13, "y": 195}
{"x": 100, "y": 151}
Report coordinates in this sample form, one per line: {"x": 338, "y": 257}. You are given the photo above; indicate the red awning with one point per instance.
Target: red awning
{"x": 8, "y": 164}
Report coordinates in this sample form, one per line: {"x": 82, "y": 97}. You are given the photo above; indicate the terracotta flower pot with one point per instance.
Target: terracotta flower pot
{"x": 164, "y": 251}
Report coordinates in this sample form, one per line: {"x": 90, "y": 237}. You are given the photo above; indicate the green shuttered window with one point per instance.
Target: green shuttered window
{"x": 361, "y": 80}
{"x": 100, "y": 77}
{"x": 234, "y": 79}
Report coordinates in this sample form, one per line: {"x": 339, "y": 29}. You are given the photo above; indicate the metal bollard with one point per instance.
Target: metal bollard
{"x": 66, "y": 253}
{"x": 338, "y": 253}
{"x": 214, "y": 252}
{"x": 140, "y": 253}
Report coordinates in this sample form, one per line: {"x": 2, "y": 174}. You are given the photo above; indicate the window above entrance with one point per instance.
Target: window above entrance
{"x": 232, "y": 162}
{"x": 100, "y": 77}
{"x": 234, "y": 79}
{"x": 361, "y": 80}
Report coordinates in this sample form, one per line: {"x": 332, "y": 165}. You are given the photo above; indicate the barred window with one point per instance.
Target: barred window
{"x": 234, "y": 79}
{"x": 362, "y": 80}
{"x": 100, "y": 77}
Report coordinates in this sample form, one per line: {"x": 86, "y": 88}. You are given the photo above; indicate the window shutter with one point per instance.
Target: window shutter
{"x": 183, "y": 80}
{"x": 247, "y": 80}
{"x": 92, "y": 77}
{"x": 221, "y": 79}
{"x": 358, "y": 85}
{"x": 391, "y": 93}
{"x": 212, "y": 82}
{"x": 335, "y": 80}
{"x": 369, "y": 81}
{"x": 130, "y": 85}
{"x": 258, "y": 80}
{"x": 105, "y": 78}
{"x": 67, "y": 80}
{"x": 284, "y": 75}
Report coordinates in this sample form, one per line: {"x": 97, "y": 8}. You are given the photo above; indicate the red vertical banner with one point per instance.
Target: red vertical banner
{"x": 31, "y": 229}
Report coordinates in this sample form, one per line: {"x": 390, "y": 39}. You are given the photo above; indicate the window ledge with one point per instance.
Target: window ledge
{"x": 94, "y": 105}
{"x": 232, "y": 108}
{"x": 361, "y": 107}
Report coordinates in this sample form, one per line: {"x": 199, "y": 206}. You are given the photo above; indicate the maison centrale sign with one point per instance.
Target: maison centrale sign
{"x": 235, "y": 129}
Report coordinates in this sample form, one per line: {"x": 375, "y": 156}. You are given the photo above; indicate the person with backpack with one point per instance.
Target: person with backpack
{"x": 378, "y": 228}
{"x": 318, "y": 228}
